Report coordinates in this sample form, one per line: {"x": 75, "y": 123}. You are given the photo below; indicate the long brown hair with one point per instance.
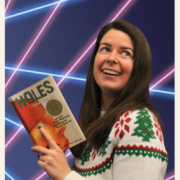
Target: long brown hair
{"x": 133, "y": 96}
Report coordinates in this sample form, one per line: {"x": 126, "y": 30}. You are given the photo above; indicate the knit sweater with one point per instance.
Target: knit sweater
{"x": 134, "y": 150}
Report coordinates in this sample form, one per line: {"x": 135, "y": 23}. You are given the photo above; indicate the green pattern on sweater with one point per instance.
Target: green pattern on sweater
{"x": 143, "y": 152}
{"x": 95, "y": 171}
{"x": 86, "y": 155}
{"x": 104, "y": 147}
{"x": 145, "y": 126}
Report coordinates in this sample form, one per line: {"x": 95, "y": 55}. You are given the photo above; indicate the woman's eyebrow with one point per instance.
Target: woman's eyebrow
{"x": 107, "y": 44}
{"x": 127, "y": 48}
{"x": 123, "y": 47}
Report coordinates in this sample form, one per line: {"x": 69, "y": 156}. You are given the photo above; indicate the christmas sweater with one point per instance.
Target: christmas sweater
{"x": 134, "y": 150}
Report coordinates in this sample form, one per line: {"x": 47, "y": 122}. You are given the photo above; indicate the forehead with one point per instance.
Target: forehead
{"x": 118, "y": 37}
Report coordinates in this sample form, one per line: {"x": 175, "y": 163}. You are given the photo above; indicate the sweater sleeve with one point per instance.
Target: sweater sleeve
{"x": 73, "y": 176}
{"x": 133, "y": 150}
{"x": 139, "y": 152}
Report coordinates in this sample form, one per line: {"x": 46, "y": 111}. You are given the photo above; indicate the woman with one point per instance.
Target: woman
{"x": 123, "y": 129}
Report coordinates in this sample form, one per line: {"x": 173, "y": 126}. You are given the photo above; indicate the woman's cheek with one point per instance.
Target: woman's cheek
{"x": 127, "y": 67}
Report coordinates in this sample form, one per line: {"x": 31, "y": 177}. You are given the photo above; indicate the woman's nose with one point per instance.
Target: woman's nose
{"x": 111, "y": 61}
{"x": 112, "y": 58}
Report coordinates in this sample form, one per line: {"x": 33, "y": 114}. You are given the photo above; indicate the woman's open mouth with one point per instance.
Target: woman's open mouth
{"x": 111, "y": 72}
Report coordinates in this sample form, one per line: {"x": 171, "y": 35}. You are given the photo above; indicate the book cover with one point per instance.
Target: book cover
{"x": 43, "y": 105}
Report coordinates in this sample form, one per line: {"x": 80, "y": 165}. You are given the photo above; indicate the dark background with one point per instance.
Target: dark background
{"x": 72, "y": 29}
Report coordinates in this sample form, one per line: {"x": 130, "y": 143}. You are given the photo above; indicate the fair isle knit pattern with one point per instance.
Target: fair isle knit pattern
{"x": 134, "y": 149}
{"x": 143, "y": 151}
{"x": 100, "y": 168}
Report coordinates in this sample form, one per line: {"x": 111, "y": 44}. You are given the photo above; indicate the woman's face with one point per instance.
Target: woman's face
{"x": 113, "y": 62}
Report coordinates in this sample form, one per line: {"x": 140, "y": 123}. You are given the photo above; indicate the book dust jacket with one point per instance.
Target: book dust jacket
{"x": 43, "y": 105}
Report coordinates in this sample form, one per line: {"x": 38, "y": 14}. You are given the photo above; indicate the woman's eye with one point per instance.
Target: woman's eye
{"x": 105, "y": 49}
{"x": 126, "y": 53}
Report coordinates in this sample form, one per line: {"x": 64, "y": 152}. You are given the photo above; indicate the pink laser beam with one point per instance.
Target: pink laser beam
{"x": 90, "y": 46}
{"x": 80, "y": 58}
{"x": 43, "y": 174}
{"x": 13, "y": 136}
{"x": 162, "y": 79}
{"x": 35, "y": 40}
{"x": 7, "y": 5}
{"x": 114, "y": 18}
{"x": 84, "y": 55}
{"x": 170, "y": 177}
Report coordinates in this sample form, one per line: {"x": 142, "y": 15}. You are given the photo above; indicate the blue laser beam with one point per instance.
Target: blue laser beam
{"x": 20, "y": 125}
{"x": 33, "y": 9}
{"x": 76, "y": 78}
{"x": 45, "y": 73}
{"x": 161, "y": 91}
{"x": 9, "y": 176}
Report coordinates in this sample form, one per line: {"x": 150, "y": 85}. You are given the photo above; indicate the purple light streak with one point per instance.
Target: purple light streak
{"x": 170, "y": 177}
{"x": 12, "y": 138}
{"x": 33, "y": 43}
{"x": 69, "y": 71}
{"x": 162, "y": 79}
{"x": 29, "y": 49}
{"x": 115, "y": 17}
{"x": 43, "y": 174}
{"x": 91, "y": 45}
{"x": 79, "y": 59}
{"x": 7, "y": 5}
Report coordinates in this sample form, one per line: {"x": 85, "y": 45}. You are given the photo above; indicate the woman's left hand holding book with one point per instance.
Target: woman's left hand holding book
{"x": 52, "y": 160}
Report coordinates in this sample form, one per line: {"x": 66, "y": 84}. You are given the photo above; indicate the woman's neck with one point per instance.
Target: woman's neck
{"x": 106, "y": 100}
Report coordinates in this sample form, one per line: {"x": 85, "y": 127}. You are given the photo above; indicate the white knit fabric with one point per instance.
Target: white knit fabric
{"x": 134, "y": 150}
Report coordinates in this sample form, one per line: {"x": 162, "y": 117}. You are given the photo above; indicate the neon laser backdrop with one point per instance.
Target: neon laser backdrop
{"x": 56, "y": 38}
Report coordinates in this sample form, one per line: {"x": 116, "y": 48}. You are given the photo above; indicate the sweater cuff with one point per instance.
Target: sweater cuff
{"x": 74, "y": 176}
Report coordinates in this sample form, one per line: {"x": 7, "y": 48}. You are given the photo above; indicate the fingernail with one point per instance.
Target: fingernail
{"x": 40, "y": 125}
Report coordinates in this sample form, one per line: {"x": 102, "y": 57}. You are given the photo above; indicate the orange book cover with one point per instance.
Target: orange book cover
{"x": 43, "y": 105}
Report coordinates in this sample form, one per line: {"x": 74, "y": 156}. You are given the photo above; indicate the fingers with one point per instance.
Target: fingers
{"x": 39, "y": 149}
{"x": 46, "y": 160}
{"x": 52, "y": 144}
{"x": 43, "y": 158}
{"x": 45, "y": 165}
{"x": 42, "y": 164}
{"x": 38, "y": 155}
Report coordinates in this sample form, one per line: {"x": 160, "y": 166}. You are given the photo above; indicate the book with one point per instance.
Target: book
{"x": 43, "y": 105}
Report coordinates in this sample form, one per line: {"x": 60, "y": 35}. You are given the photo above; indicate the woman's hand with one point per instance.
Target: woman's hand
{"x": 52, "y": 160}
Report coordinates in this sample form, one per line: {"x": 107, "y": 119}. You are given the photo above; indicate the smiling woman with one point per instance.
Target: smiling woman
{"x": 124, "y": 132}
{"x": 113, "y": 64}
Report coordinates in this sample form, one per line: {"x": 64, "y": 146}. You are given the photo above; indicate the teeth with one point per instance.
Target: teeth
{"x": 111, "y": 72}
